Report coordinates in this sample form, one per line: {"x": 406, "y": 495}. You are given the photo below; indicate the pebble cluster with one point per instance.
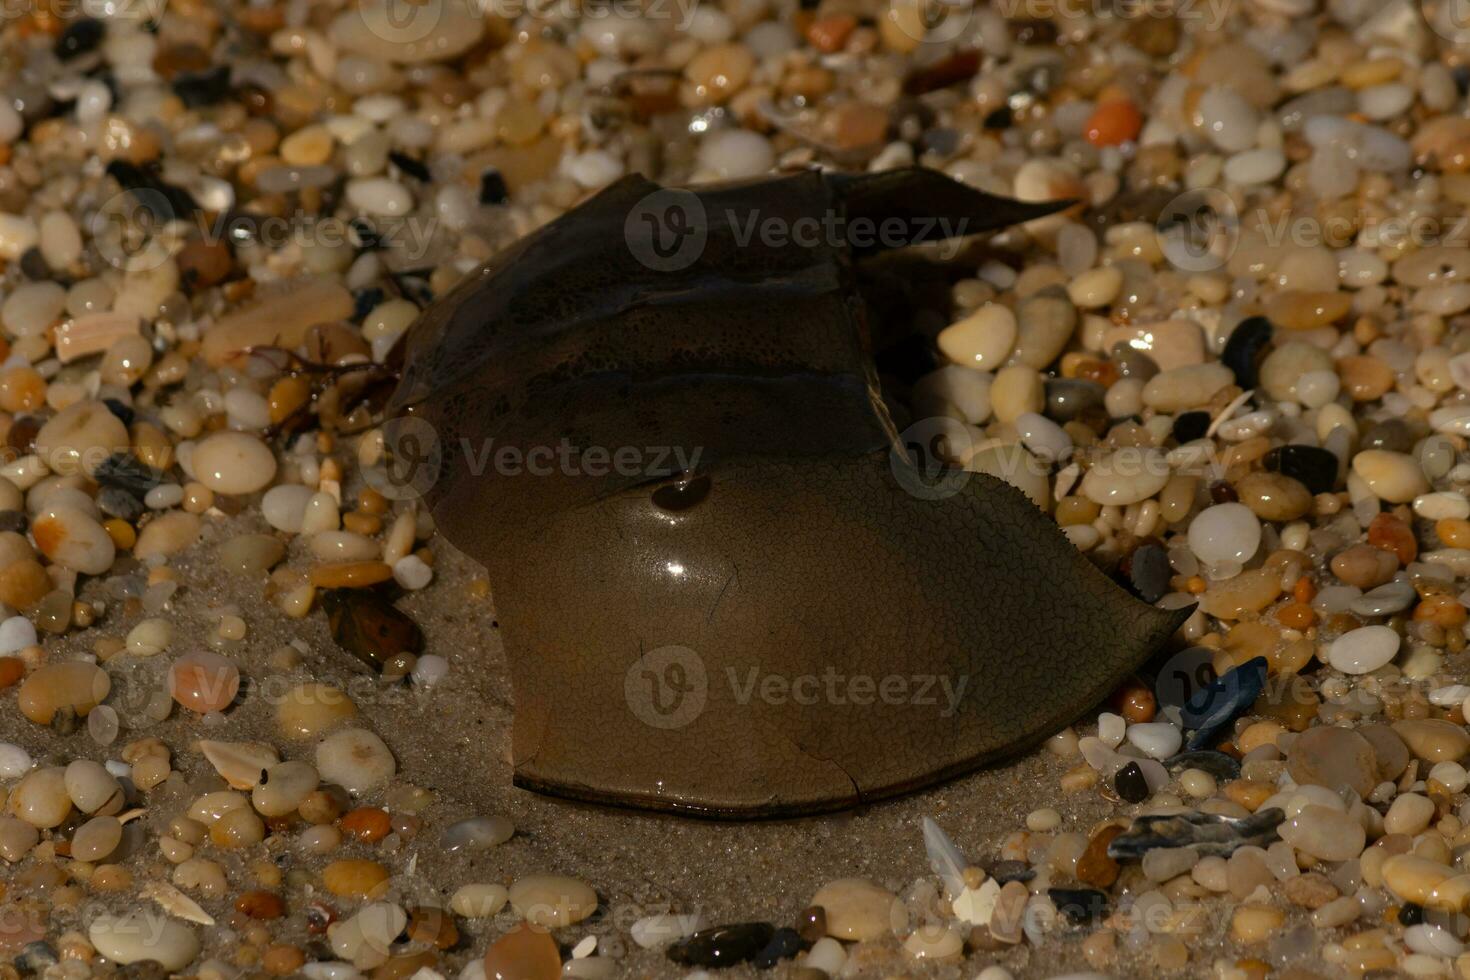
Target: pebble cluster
{"x": 217, "y": 220}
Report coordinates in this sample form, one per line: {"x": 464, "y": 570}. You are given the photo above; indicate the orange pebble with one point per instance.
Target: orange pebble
{"x": 1113, "y": 122}
{"x": 1134, "y": 701}
{"x": 203, "y": 681}
{"x": 829, "y": 34}
{"x": 1442, "y": 610}
{"x": 367, "y": 823}
{"x": 12, "y": 669}
{"x": 1305, "y": 590}
{"x": 22, "y": 389}
{"x": 1196, "y": 585}
{"x": 121, "y": 532}
{"x": 1296, "y": 615}
{"x": 1454, "y": 532}
{"x": 1392, "y": 534}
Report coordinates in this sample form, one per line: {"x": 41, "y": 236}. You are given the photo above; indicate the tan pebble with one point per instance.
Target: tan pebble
{"x": 858, "y": 910}
{"x": 1248, "y": 592}
{"x": 480, "y": 900}
{"x": 523, "y": 953}
{"x": 1294, "y": 309}
{"x": 1434, "y": 739}
{"x": 350, "y": 574}
{"x": 355, "y": 759}
{"x": 144, "y": 935}
{"x": 934, "y": 941}
{"x": 233, "y": 463}
{"x": 251, "y": 554}
{"x": 72, "y": 539}
{"x": 40, "y": 798}
{"x": 204, "y": 681}
{"x": 354, "y": 878}
{"x": 1366, "y": 379}
{"x": 1185, "y": 387}
{"x": 1364, "y": 566}
{"x": 150, "y": 637}
{"x": 73, "y": 686}
{"x": 982, "y": 340}
{"x": 310, "y": 710}
{"x": 96, "y": 839}
{"x": 78, "y": 438}
{"x": 1410, "y": 813}
{"x": 92, "y": 788}
{"x": 167, "y": 534}
{"x": 1395, "y": 477}
{"x": 285, "y": 787}
{"x": 16, "y": 838}
{"x": 1252, "y": 924}
{"x": 1412, "y": 878}
{"x": 237, "y": 828}
{"x": 282, "y": 319}
{"x": 551, "y": 901}
{"x": 1273, "y": 496}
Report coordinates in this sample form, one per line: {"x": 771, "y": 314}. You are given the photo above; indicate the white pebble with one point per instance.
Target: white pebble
{"x": 1363, "y": 650}
{"x": 1225, "y": 533}
{"x": 1158, "y": 739}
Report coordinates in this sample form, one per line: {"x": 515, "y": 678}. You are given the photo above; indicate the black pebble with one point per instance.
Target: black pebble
{"x": 35, "y": 958}
{"x": 1005, "y": 872}
{"x": 1189, "y": 426}
{"x": 165, "y": 201}
{"x": 202, "y": 88}
{"x": 117, "y": 502}
{"x": 363, "y": 302}
{"x": 1315, "y": 468}
{"x": 1246, "y": 348}
{"x": 123, "y": 411}
{"x": 1130, "y": 784}
{"x": 1002, "y": 118}
{"x": 79, "y": 37}
{"x": 414, "y": 168}
{"x": 1411, "y": 914}
{"x": 13, "y": 520}
{"x": 723, "y": 946}
{"x": 1079, "y": 905}
{"x": 784, "y": 945}
{"x": 492, "y": 188}
{"x": 126, "y": 472}
{"x": 1149, "y": 572}
{"x": 1067, "y": 398}
{"x": 33, "y": 265}
{"x": 364, "y": 235}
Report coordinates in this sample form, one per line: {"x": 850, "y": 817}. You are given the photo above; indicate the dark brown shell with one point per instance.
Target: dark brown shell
{"x": 712, "y": 632}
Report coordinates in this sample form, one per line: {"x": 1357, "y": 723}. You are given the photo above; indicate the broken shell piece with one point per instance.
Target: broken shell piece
{"x": 176, "y": 903}
{"x": 240, "y": 763}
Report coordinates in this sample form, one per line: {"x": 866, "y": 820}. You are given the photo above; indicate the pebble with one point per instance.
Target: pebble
{"x": 1186, "y": 387}
{"x": 1314, "y": 467}
{"x": 1332, "y": 756}
{"x": 477, "y": 834}
{"x": 857, "y": 910}
{"x": 1394, "y": 477}
{"x": 1433, "y": 739}
{"x": 283, "y": 788}
{"x": 523, "y": 953}
{"x": 80, "y": 437}
{"x": 552, "y": 901}
{"x": 40, "y": 798}
{"x": 1413, "y": 878}
{"x": 141, "y": 936}
{"x": 310, "y": 710}
{"x": 1158, "y": 739}
{"x": 723, "y": 946}
{"x": 354, "y": 878}
{"x": 1126, "y": 478}
{"x": 655, "y": 931}
{"x": 204, "y": 681}
{"x": 233, "y": 463}
{"x": 284, "y": 506}
{"x": 14, "y": 761}
{"x": 17, "y": 838}
{"x": 1363, "y": 650}
{"x": 983, "y": 340}
{"x": 96, "y": 839}
{"x": 72, "y": 539}
{"x": 479, "y": 900}
{"x": 355, "y": 759}
{"x": 1225, "y": 533}
{"x": 71, "y": 686}
{"x": 1247, "y": 348}
{"x": 91, "y": 788}
{"x": 1325, "y": 833}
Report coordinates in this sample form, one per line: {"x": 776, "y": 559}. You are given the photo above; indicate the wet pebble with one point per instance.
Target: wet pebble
{"x": 1363, "y": 650}
{"x": 857, "y": 909}
{"x": 233, "y": 463}
{"x": 551, "y": 901}
{"x": 723, "y": 946}
{"x": 355, "y": 759}
{"x": 477, "y": 834}
{"x": 143, "y": 935}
